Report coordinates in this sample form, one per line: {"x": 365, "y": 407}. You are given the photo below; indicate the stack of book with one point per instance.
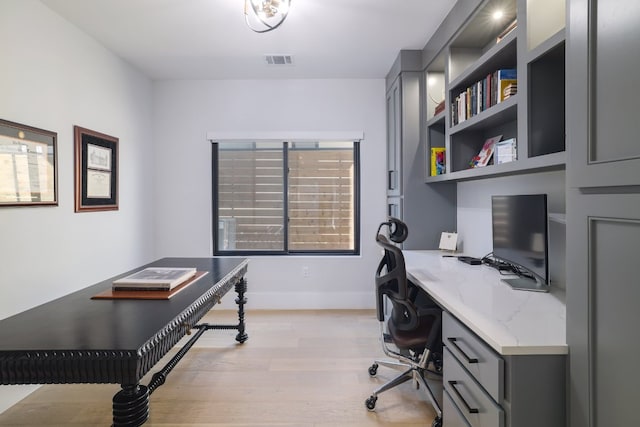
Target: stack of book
{"x": 510, "y": 89}
{"x": 483, "y": 94}
{"x": 154, "y": 279}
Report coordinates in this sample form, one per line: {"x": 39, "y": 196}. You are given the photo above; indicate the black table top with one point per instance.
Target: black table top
{"x": 75, "y": 322}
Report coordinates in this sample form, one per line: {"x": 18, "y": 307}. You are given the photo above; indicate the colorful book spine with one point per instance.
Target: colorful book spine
{"x": 438, "y": 159}
{"x": 484, "y": 94}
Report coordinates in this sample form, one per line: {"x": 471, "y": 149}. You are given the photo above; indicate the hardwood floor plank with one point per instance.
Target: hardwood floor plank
{"x": 298, "y": 368}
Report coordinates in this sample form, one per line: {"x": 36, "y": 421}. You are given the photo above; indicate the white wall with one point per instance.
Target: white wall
{"x": 54, "y": 77}
{"x": 187, "y": 110}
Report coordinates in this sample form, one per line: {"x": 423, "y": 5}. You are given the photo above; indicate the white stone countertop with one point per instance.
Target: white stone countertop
{"x": 512, "y": 322}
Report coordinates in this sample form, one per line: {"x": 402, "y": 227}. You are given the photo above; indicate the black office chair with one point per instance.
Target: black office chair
{"x": 411, "y": 333}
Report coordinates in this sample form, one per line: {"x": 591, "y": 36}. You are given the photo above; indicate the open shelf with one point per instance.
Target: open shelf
{"x": 502, "y": 55}
{"x": 534, "y": 116}
{"x": 555, "y": 40}
{"x": 549, "y": 162}
{"x": 499, "y": 113}
{"x": 546, "y": 102}
{"x": 436, "y": 120}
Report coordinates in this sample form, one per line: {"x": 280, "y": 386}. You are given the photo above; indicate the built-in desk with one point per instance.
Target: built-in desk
{"x": 505, "y": 349}
{"x": 77, "y": 339}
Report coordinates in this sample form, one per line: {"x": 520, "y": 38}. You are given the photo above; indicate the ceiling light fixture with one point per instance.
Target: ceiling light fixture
{"x": 265, "y": 15}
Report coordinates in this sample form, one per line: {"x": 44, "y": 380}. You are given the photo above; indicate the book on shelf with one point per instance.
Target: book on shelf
{"x": 483, "y": 157}
{"x": 483, "y": 94}
{"x": 505, "y": 78}
{"x": 154, "y": 279}
{"x": 438, "y": 159}
{"x": 506, "y": 151}
{"x": 510, "y": 90}
{"x": 439, "y": 108}
{"x": 512, "y": 26}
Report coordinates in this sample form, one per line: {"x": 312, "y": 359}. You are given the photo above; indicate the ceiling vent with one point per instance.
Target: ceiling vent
{"x": 279, "y": 59}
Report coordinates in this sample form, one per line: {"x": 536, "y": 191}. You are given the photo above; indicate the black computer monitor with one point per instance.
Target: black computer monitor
{"x": 520, "y": 238}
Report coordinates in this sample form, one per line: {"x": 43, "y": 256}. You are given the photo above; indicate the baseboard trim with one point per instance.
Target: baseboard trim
{"x": 302, "y": 300}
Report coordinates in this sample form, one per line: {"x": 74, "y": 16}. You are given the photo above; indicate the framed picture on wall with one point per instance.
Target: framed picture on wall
{"x": 28, "y": 166}
{"x": 96, "y": 171}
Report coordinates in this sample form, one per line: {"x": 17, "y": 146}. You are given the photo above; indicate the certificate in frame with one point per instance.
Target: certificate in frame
{"x": 96, "y": 171}
{"x": 28, "y": 166}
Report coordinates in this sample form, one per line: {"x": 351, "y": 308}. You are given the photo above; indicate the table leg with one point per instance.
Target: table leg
{"x": 131, "y": 406}
{"x": 241, "y": 288}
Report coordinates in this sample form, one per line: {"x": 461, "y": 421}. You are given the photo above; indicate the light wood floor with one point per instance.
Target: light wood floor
{"x": 298, "y": 368}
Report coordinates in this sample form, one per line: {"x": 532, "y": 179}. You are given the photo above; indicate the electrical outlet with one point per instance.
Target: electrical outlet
{"x": 305, "y": 271}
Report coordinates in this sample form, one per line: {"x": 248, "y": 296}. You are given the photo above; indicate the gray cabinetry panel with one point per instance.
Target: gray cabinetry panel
{"x": 427, "y": 210}
{"x": 535, "y": 390}
{"x": 603, "y": 212}
{"x": 394, "y": 139}
{"x": 613, "y": 79}
{"x": 603, "y": 314}
{"x": 614, "y": 302}
{"x": 603, "y": 93}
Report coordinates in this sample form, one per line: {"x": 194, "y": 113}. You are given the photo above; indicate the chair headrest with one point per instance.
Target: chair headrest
{"x": 398, "y": 230}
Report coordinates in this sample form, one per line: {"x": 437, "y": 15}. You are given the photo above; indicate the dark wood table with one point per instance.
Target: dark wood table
{"x": 77, "y": 339}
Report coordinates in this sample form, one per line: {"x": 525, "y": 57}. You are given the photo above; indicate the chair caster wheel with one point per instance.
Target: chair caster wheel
{"x": 373, "y": 369}
{"x": 370, "y": 403}
{"x": 437, "y": 422}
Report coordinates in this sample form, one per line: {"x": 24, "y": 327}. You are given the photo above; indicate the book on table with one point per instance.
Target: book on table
{"x": 154, "y": 279}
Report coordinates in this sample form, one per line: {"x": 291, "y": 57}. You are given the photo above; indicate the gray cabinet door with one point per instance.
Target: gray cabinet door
{"x": 603, "y": 212}
{"x": 603, "y": 57}
{"x": 603, "y": 308}
{"x": 394, "y": 139}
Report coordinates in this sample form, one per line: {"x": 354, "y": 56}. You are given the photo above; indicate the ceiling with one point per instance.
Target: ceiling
{"x": 208, "y": 39}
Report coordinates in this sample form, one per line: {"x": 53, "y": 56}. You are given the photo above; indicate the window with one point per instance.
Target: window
{"x": 279, "y": 197}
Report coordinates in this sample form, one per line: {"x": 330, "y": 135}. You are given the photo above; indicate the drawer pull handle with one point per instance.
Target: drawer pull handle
{"x": 464, "y": 402}
{"x": 469, "y": 359}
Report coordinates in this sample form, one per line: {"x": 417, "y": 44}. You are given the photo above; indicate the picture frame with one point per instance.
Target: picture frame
{"x": 28, "y": 166}
{"x": 96, "y": 171}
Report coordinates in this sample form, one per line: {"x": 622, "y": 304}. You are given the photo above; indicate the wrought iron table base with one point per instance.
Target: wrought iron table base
{"x": 131, "y": 404}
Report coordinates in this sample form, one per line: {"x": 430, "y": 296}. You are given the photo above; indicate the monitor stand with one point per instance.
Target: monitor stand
{"x": 526, "y": 284}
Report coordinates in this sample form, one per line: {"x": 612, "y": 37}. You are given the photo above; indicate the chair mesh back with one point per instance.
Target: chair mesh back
{"x": 391, "y": 281}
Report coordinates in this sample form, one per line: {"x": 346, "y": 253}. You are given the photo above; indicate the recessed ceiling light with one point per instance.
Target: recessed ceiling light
{"x": 498, "y": 14}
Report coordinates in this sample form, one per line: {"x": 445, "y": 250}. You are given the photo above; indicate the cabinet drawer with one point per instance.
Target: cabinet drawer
{"x": 486, "y": 366}
{"x": 453, "y": 417}
{"x": 468, "y": 396}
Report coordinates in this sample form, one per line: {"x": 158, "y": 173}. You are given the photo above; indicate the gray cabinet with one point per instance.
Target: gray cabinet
{"x": 603, "y": 212}
{"x": 473, "y": 376}
{"x": 394, "y": 139}
{"x": 603, "y": 93}
{"x": 427, "y": 210}
{"x": 485, "y": 389}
